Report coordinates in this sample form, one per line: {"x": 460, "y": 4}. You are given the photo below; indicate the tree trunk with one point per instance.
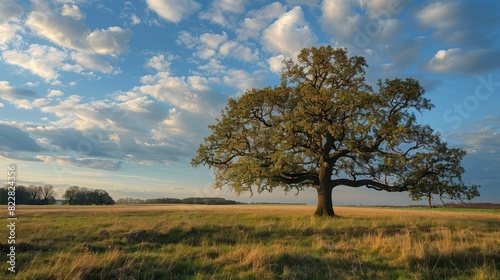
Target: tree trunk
{"x": 429, "y": 199}
{"x": 442, "y": 201}
{"x": 325, "y": 205}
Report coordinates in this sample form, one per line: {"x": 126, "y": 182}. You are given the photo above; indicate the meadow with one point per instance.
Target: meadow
{"x": 252, "y": 242}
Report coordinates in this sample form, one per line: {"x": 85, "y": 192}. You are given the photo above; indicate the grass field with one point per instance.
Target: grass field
{"x": 252, "y": 242}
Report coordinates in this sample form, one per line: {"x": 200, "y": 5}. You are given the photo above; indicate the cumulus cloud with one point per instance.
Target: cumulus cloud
{"x": 72, "y": 11}
{"x": 289, "y": 34}
{"x": 92, "y": 62}
{"x": 209, "y": 43}
{"x": 439, "y": 14}
{"x": 159, "y": 63}
{"x": 244, "y": 80}
{"x": 132, "y": 127}
{"x": 174, "y": 10}
{"x": 61, "y": 30}
{"x": 361, "y": 24}
{"x": 173, "y": 90}
{"x": 213, "y": 45}
{"x": 463, "y": 62}
{"x": 221, "y": 11}
{"x": 66, "y": 29}
{"x": 259, "y": 19}
{"x": 8, "y": 32}
{"x": 43, "y": 61}
{"x": 339, "y": 18}
{"x": 212, "y": 40}
{"x": 236, "y": 50}
{"x": 134, "y": 19}
{"x": 187, "y": 39}
{"x": 55, "y": 93}
{"x": 276, "y": 63}
{"x": 109, "y": 41}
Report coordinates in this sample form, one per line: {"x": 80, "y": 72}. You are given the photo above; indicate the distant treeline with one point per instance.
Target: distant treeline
{"x": 34, "y": 195}
{"x": 189, "y": 200}
{"x": 480, "y": 205}
{"x": 44, "y": 195}
{"x": 83, "y": 196}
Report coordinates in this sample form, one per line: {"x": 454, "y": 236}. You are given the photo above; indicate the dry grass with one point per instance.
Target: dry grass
{"x": 250, "y": 242}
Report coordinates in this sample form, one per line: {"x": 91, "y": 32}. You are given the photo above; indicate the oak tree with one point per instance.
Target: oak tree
{"x": 325, "y": 127}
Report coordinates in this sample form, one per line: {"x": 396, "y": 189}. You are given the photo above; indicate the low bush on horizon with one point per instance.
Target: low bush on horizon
{"x": 253, "y": 242}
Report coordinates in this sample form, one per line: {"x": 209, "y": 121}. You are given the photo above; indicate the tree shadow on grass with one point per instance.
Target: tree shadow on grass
{"x": 287, "y": 263}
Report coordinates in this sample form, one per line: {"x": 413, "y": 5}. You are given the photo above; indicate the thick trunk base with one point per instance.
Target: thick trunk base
{"x": 325, "y": 206}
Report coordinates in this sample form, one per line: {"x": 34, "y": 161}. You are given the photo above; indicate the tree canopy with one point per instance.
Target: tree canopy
{"x": 84, "y": 196}
{"x": 324, "y": 127}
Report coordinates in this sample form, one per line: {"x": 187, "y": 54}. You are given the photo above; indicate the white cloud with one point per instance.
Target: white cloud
{"x": 213, "y": 67}
{"x": 213, "y": 45}
{"x": 340, "y": 19}
{"x": 439, "y": 14}
{"x": 463, "y": 62}
{"x": 362, "y": 24}
{"x": 215, "y": 16}
{"x": 135, "y": 20}
{"x": 259, "y": 19}
{"x": 109, "y": 41}
{"x": 244, "y": 80}
{"x": 276, "y": 63}
{"x": 231, "y": 6}
{"x": 55, "y": 93}
{"x": 72, "y": 11}
{"x": 69, "y": 31}
{"x": 289, "y": 34}
{"x": 43, "y": 61}
{"x": 187, "y": 39}
{"x": 238, "y": 51}
{"x": 159, "y": 63}
{"x": 174, "y": 91}
{"x": 212, "y": 40}
{"x": 209, "y": 43}
{"x": 92, "y": 62}
{"x": 199, "y": 83}
{"x": 63, "y": 31}
{"x": 222, "y": 12}
{"x": 174, "y": 10}
{"x": 8, "y": 32}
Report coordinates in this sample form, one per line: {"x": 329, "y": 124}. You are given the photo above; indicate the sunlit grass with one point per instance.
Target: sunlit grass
{"x": 253, "y": 242}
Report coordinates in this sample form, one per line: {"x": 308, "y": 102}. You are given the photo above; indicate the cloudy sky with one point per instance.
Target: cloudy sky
{"x": 117, "y": 95}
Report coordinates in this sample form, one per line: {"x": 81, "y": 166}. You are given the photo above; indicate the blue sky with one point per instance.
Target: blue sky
{"x": 118, "y": 95}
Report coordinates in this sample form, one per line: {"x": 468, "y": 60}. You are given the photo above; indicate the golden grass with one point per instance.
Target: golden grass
{"x": 253, "y": 241}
